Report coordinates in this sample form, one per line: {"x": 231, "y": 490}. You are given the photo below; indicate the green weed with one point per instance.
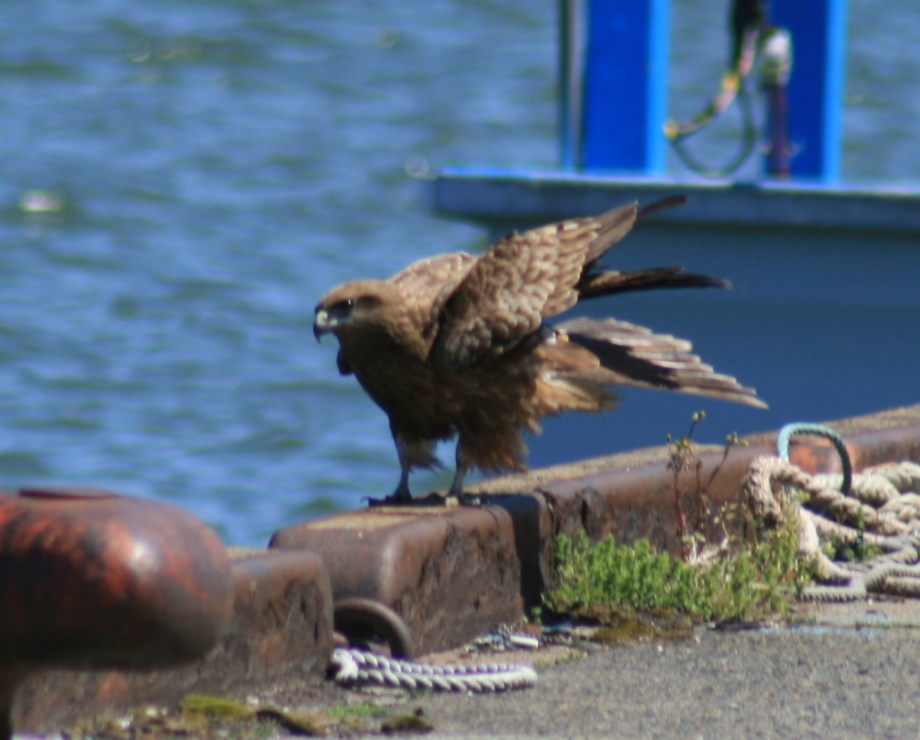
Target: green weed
{"x": 852, "y": 551}
{"x": 746, "y": 584}
{"x": 748, "y": 578}
{"x": 348, "y": 711}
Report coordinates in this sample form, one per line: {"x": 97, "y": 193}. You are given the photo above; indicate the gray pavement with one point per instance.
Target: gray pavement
{"x": 820, "y": 681}
{"x": 853, "y": 673}
{"x": 844, "y": 671}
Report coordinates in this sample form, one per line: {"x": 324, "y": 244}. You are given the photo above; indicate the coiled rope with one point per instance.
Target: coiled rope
{"x": 882, "y": 512}
{"x": 358, "y": 668}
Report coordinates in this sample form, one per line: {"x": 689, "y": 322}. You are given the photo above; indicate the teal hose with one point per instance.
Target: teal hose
{"x": 818, "y": 430}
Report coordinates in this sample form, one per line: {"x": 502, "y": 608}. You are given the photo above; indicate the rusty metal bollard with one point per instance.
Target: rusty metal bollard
{"x": 90, "y": 579}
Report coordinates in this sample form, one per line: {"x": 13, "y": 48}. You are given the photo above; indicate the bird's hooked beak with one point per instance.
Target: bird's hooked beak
{"x": 332, "y": 318}
{"x": 322, "y": 324}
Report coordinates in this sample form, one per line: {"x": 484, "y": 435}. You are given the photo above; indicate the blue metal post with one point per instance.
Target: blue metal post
{"x": 815, "y": 91}
{"x": 571, "y": 78}
{"x": 624, "y": 100}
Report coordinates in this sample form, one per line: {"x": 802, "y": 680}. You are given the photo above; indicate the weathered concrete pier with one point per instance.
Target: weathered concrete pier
{"x": 446, "y": 574}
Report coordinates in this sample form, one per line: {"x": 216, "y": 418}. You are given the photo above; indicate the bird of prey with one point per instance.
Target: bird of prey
{"x": 458, "y": 345}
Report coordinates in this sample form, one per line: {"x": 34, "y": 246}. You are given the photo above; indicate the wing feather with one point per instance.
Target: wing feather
{"x": 427, "y": 284}
{"x": 520, "y": 281}
{"x": 633, "y": 355}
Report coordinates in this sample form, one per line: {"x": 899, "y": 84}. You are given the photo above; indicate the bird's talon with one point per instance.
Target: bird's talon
{"x": 387, "y": 501}
{"x": 432, "y": 499}
{"x": 469, "y": 499}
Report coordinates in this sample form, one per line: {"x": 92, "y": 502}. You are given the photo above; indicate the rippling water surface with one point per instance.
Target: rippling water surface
{"x": 183, "y": 180}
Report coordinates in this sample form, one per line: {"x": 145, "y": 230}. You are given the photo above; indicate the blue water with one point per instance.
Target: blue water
{"x": 181, "y": 181}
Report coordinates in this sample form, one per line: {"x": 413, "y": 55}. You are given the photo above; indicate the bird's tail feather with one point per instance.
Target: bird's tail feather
{"x": 633, "y": 355}
{"x": 660, "y": 205}
{"x": 613, "y": 226}
{"x": 594, "y": 285}
{"x": 617, "y": 223}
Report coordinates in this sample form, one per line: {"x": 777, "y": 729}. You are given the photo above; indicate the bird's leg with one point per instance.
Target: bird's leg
{"x": 411, "y": 453}
{"x": 401, "y": 494}
{"x": 456, "y": 487}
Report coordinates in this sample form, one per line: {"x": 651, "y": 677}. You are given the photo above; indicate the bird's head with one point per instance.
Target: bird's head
{"x": 351, "y": 306}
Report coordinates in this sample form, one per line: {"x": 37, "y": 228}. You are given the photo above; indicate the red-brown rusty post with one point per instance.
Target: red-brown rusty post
{"x": 93, "y": 580}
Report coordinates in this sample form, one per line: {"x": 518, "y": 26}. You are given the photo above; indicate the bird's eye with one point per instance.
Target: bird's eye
{"x": 343, "y": 306}
{"x": 368, "y": 302}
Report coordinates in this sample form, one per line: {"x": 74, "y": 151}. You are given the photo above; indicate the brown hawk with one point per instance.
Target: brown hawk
{"x": 457, "y": 345}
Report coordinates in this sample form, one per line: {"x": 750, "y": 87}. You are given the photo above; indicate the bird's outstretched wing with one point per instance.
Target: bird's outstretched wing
{"x": 523, "y": 279}
{"x": 427, "y": 284}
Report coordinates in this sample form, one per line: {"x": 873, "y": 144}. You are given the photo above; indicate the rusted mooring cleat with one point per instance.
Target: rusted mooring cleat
{"x": 95, "y": 580}
{"x": 424, "y": 578}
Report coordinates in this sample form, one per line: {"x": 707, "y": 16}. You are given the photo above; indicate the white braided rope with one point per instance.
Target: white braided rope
{"x": 356, "y": 668}
{"x": 895, "y": 525}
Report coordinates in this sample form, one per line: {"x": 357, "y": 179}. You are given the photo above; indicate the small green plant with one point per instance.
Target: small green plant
{"x": 346, "y": 711}
{"x": 852, "y": 551}
{"x": 633, "y": 578}
{"x": 205, "y": 712}
{"x": 748, "y": 577}
{"x": 753, "y": 581}
{"x": 683, "y": 457}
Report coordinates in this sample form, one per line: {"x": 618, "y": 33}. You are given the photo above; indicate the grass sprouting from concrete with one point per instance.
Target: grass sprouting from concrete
{"x": 750, "y": 583}
{"x": 744, "y": 579}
